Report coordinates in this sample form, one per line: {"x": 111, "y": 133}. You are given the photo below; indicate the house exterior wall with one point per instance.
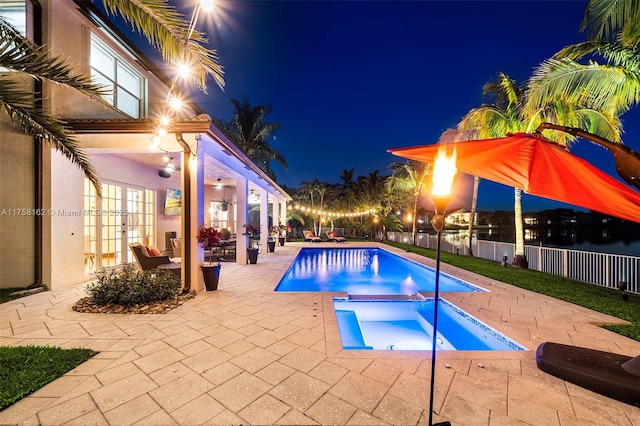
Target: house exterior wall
{"x": 69, "y": 36}
{"x": 17, "y": 224}
{"x": 66, "y": 33}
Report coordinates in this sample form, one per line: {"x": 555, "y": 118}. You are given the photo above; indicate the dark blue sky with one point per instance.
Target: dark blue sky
{"x": 348, "y": 80}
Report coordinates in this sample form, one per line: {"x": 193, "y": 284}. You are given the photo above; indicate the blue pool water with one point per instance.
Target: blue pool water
{"x": 408, "y": 325}
{"x": 368, "y": 271}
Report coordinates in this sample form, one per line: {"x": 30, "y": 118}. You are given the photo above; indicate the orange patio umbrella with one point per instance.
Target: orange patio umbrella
{"x": 539, "y": 167}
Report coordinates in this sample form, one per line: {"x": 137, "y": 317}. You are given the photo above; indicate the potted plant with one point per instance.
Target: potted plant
{"x": 282, "y": 234}
{"x": 253, "y": 232}
{"x": 208, "y": 238}
{"x": 273, "y": 233}
{"x": 224, "y": 205}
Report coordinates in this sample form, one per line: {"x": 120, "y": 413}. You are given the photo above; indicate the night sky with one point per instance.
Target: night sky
{"x": 348, "y": 80}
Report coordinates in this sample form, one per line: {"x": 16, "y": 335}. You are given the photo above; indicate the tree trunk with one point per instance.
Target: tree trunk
{"x": 415, "y": 211}
{"x": 520, "y": 259}
{"x": 474, "y": 205}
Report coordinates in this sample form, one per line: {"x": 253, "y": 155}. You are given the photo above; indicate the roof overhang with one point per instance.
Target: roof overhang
{"x": 201, "y": 124}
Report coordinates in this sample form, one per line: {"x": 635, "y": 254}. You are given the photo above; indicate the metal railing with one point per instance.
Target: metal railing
{"x": 603, "y": 269}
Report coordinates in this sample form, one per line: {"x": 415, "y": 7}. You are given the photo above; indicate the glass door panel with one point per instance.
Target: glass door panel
{"x": 135, "y": 220}
{"x": 122, "y": 216}
{"x": 113, "y": 227}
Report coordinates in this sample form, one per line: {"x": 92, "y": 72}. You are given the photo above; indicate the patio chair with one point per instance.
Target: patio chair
{"x": 310, "y": 236}
{"x": 176, "y": 244}
{"x": 332, "y": 236}
{"x": 606, "y": 373}
{"x": 146, "y": 262}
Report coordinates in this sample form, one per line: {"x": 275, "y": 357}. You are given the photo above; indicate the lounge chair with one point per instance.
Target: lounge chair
{"x": 146, "y": 262}
{"x": 309, "y": 236}
{"x": 332, "y": 236}
{"x": 606, "y": 373}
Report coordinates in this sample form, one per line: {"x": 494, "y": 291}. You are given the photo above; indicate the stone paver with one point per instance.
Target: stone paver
{"x": 246, "y": 355}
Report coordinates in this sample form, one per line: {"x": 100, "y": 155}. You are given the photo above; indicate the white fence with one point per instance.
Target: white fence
{"x": 602, "y": 269}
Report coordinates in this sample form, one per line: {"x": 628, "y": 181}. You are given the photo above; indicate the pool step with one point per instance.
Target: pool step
{"x": 350, "y": 332}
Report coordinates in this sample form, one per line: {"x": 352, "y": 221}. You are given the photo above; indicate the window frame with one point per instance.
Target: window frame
{"x": 96, "y": 43}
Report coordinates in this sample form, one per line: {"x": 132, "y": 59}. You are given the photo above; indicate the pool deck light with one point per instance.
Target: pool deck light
{"x": 444, "y": 170}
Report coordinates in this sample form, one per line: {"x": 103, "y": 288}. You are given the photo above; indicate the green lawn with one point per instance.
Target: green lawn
{"x": 25, "y": 369}
{"x": 600, "y": 299}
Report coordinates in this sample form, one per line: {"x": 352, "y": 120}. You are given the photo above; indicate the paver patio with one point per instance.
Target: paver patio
{"x": 247, "y": 355}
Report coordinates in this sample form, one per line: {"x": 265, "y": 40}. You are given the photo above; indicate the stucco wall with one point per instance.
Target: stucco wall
{"x": 17, "y": 225}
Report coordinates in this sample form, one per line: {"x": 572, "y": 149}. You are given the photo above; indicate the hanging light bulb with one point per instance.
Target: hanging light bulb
{"x": 184, "y": 70}
{"x": 207, "y": 5}
{"x": 176, "y": 103}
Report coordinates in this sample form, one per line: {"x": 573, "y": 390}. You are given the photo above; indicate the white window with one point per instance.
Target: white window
{"x": 124, "y": 82}
{"x": 15, "y": 12}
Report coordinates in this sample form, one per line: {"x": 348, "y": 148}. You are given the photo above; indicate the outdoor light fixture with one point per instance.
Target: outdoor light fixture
{"x": 169, "y": 167}
{"x": 444, "y": 170}
{"x": 219, "y": 184}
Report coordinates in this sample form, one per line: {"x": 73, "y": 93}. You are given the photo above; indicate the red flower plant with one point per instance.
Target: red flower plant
{"x": 252, "y": 231}
{"x": 208, "y": 237}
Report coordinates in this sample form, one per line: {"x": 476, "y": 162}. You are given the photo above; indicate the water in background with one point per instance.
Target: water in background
{"x": 615, "y": 240}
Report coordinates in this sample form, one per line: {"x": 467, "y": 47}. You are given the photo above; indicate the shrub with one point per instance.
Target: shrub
{"x": 129, "y": 287}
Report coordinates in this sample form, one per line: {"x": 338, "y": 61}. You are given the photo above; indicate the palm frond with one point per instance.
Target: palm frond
{"x": 614, "y": 53}
{"x": 164, "y": 28}
{"x": 596, "y": 86}
{"x": 605, "y": 19}
{"x": 17, "y": 53}
{"x": 16, "y": 103}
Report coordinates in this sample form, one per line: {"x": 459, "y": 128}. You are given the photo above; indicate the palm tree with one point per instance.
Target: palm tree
{"x": 410, "y": 176}
{"x": 24, "y": 58}
{"x": 509, "y": 114}
{"x": 250, "y": 133}
{"x": 347, "y": 186}
{"x": 159, "y": 22}
{"x": 611, "y": 27}
{"x": 495, "y": 120}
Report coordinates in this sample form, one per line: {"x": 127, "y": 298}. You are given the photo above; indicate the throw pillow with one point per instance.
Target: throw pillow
{"x": 154, "y": 252}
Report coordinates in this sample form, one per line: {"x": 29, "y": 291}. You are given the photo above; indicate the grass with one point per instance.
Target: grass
{"x": 601, "y": 299}
{"x": 5, "y": 294}
{"x": 25, "y": 369}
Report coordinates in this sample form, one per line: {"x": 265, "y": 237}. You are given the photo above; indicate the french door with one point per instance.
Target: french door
{"x": 125, "y": 214}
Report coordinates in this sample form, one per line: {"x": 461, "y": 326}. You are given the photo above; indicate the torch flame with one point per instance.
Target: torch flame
{"x": 444, "y": 170}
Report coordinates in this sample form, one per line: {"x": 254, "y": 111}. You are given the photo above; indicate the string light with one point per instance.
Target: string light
{"x": 330, "y": 213}
{"x": 172, "y": 101}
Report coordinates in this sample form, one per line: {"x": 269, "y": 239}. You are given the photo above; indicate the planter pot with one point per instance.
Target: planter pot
{"x": 252, "y": 255}
{"x": 288, "y": 237}
{"x": 211, "y": 275}
{"x": 281, "y": 241}
{"x": 271, "y": 245}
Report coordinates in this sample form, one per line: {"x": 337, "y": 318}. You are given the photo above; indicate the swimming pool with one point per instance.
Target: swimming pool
{"x": 407, "y": 325}
{"x": 364, "y": 271}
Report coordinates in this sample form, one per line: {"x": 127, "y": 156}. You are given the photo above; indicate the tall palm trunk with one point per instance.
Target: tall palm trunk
{"x": 474, "y": 204}
{"x": 520, "y": 259}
